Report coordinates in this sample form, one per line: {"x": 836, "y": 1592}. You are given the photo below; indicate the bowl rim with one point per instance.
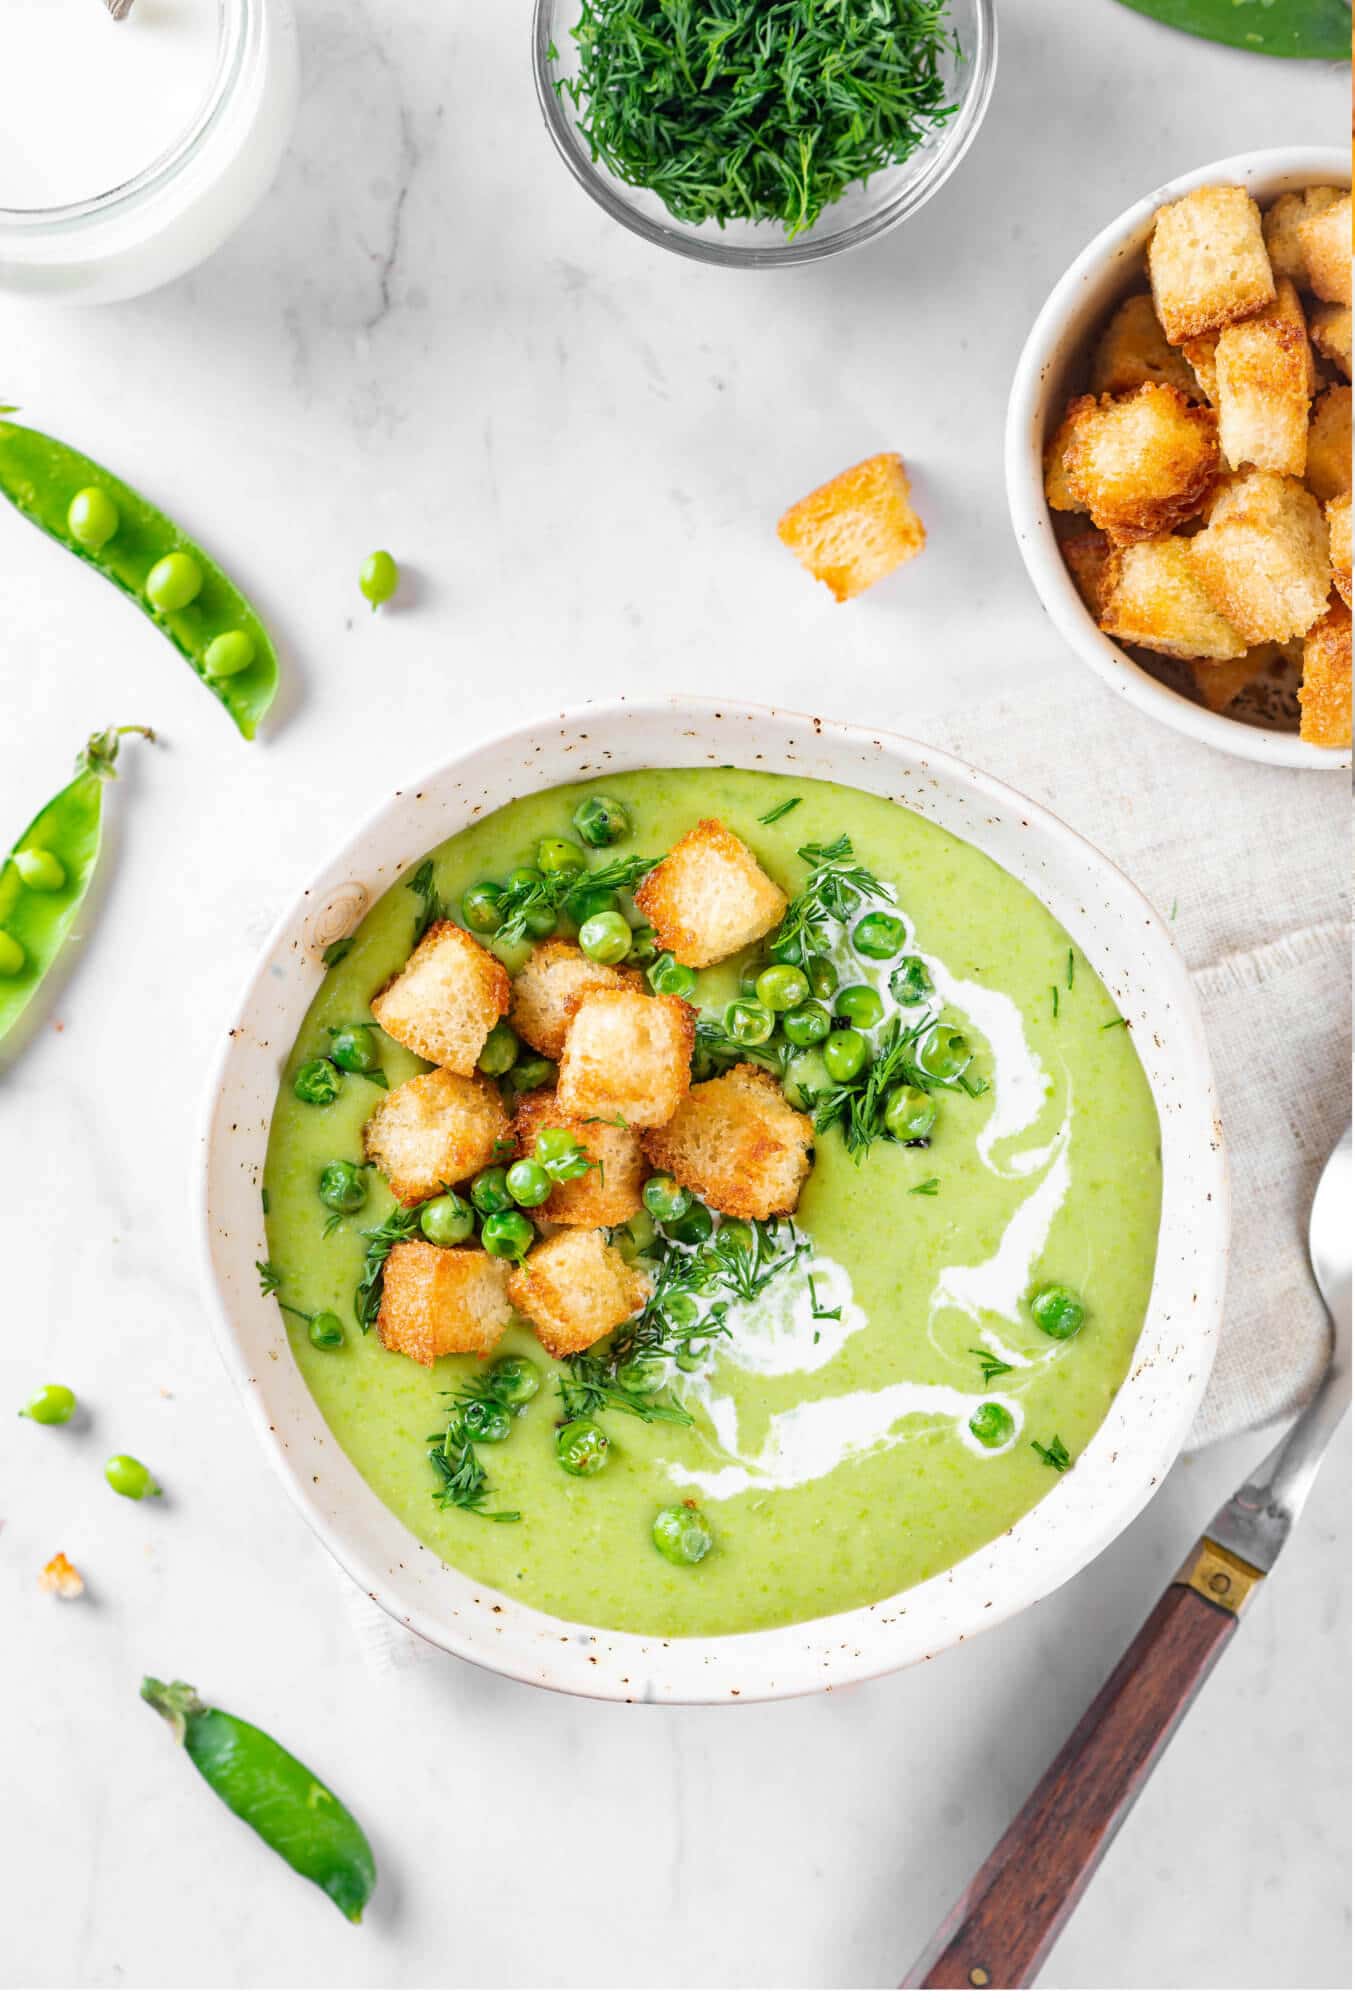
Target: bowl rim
{"x": 1043, "y": 361}
{"x": 816, "y": 1655}
{"x": 811, "y": 248}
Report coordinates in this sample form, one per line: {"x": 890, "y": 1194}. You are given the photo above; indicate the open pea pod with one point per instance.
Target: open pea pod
{"x": 1317, "y": 29}
{"x": 44, "y": 877}
{"x": 124, "y": 537}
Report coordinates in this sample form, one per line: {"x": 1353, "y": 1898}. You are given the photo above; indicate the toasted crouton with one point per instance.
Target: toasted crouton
{"x": 446, "y": 1000}
{"x": 1220, "y": 682}
{"x": 60, "y": 1577}
{"x": 626, "y": 1055}
{"x": 857, "y": 528}
{"x": 1134, "y": 350}
{"x": 737, "y": 1143}
{"x": 708, "y": 897}
{"x": 1056, "y": 488}
{"x": 1152, "y": 597}
{"x": 547, "y": 986}
{"x": 434, "y": 1130}
{"x": 1200, "y": 353}
{"x": 436, "y": 1302}
{"x": 1325, "y": 237}
{"x": 1324, "y": 694}
{"x": 1207, "y": 262}
{"x": 1264, "y": 378}
{"x": 575, "y": 1289}
{"x": 1280, "y": 228}
{"x": 610, "y": 1191}
{"x": 1338, "y": 533}
{"x": 1329, "y": 331}
{"x": 1263, "y": 558}
{"x": 1329, "y": 444}
{"x": 1086, "y": 557}
{"x": 1141, "y": 463}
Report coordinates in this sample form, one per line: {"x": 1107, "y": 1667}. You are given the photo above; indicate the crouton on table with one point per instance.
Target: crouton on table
{"x": 445, "y": 1001}
{"x": 1207, "y": 262}
{"x": 1280, "y": 228}
{"x": 626, "y": 1055}
{"x": 435, "y": 1130}
{"x": 1264, "y": 377}
{"x": 610, "y": 1192}
{"x": 1086, "y": 557}
{"x": 1140, "y": 464}
{"x": 436, "y": 1302}
{"x": 1338, "y": 535}
{"x": 1324, "y": 694}
{"x": 1329, "y": 330}
{"x": 1133, "y": 350}
{"x": 1329, "y": 444}
{"x": 546, "y": 987}
{"x": 575, "y": 1289}
{"x": 857, "y": 528}
{"x": 708, "y": 897}
{"x": 1325, "y": 236}
{"x": 737, "y": 1143}
{"x": 1151, "y": 597}
{"x": 1263, "y": 558}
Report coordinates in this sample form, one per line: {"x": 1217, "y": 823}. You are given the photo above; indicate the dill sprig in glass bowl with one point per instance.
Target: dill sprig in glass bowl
{"x": 792, "y": 103}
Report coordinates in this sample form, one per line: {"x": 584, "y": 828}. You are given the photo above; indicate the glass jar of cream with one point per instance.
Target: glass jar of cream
{"x": 131, "y": 148}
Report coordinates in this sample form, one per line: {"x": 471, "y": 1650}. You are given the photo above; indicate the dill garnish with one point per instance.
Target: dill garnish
{"x": 269, "y": 1278}
{"x": 399, "y": 1226}
{"x": 591, "y": 1385}
{"x": 836, "y": 889}
{"x": 1070, "y": 969}
{"x": 858, "y": 1108}
{"x": 1054, "y": 1454}
{"x": 1118, "y": 1022}
{"x": 334, "y": 954}
{"x": 421, "y": 884}
{"x": 933, "y": 1186}
{"x": 778, "y": 812}
{"x": 1055, "y": 991}
{"x": 552, "y": 893}
{"x": 990, "y": 1364}
{"x": 463, "y": 1480}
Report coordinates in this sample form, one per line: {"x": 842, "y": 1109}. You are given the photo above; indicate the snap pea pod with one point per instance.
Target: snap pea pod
{"x": 266, "y": 1787}
{"x": 110, "y": 526}
{"x": 44, "y": 877}
{"x": 1315, "y": 29}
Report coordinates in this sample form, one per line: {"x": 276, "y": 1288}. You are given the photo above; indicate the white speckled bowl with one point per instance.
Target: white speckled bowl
{"x": 1048, "y": 373}
{"x": 1128, "y": 946}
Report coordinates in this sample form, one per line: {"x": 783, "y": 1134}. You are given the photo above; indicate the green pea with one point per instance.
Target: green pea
{"x": 326, "y": 1331}
{"x": 379, "y": 578}
{"x": 806, "y": 1075}
{"x": 343, "y": 1187}
{"x": 522, "y": 878}
{"x": 789, "y": 953}
{"x": 605, "y": 938}
{"x": 861, "y": 1005}
{"x": 806, "y": 1025}
{"x": 13, "y": 957}
{"x": 682, "y": 1534}
{"x": 516, "y": 1380}
{"x": 665, "y": 975}
{"x": 484, "y": 1420}
{"x": 317, "y": 1082}
{"x": 644, "y": 947}
{"x": 489, "y": 1191}
{"x": 821, "y": 976}
{"x": 910, "y": 982}
{"x": 500, "y": 1051}
{"x": 749, "y": 1022}
{"x": 635, "y": 1237}
{"x": 782, "y": 987}
{"x": 845, "y": 1054}
{"x": 534, "y": 1074}
{"x": 559, "y": 857}
{"x": 129, "y": 1477}
{"x": 582, "y": 1448}
{"x": 92, "y": 518}
{"x": 909, "y": 1114}
{"x": 581, "y": 902}
{"x": 447, "y": 1220}
{"x": 665, "y": 1198}
{"x": 693, "y": 1228}
{"x": 691, "y": 1355}
{"x": 229, "y": 653}
{"x": 174, "y": 582}
{"x": 1058, "y": 1311}
{"x": 480, "y": 906}
{"x": 528, "y": 1183}
{"x": 944, "y": 1053}
{"x": 992, "y": 1424}
{"x": 508, "y": 1235}
{"x": 682, "y": 1310}
{"x": 355, "y": 1050}
{"x": 39, "y": 869}
{"x": 53, "y": 1404}
{"x": 555, "y": 1148}
{"x": 602, "y": 821}
{"x": 879, "y": 935}
{"x": 642, "y": 1374}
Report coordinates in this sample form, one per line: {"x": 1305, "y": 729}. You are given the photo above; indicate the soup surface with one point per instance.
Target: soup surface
{"x": 831, "y": 1447}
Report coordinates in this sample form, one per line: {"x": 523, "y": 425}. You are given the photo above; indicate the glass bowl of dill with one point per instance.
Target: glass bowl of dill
{"x": 763, "y": 132}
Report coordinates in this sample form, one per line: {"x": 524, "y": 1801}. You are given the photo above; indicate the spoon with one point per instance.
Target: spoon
{"x": 1004, "y": 1926}
{"x": 119, "y": 9}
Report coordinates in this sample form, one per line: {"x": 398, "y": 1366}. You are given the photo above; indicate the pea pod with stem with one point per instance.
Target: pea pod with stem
{"x": 272, "y": 1792}
{"x": 44, "y": 878}
{"x": 1315, "y": 29}
{"x": 107, "y": 524}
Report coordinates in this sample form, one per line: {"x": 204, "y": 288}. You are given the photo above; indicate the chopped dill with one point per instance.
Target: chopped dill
{"x": 334, "y": 954}
{"x": 1071, "y": 968}
{"x": 933, "y": 1186}
{"x": 422, "y": 885}
{"x": 778, "y": 812}
{"x": 269, "y": 1278}
{"x": 399, "y": 1226}
{"x": 463, "y": 1481}
{"x": 1054, "y": 1454}
{"x": 990, "y": 1365}
{"x": 1055, "y": 992}
{"x": 1118, "y": 1022}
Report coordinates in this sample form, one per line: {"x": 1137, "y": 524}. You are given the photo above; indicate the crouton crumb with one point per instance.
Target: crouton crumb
{"x": 60, "y": 1578}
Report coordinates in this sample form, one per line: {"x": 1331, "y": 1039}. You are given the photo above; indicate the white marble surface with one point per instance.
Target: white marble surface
{"x": 427, "y": 338}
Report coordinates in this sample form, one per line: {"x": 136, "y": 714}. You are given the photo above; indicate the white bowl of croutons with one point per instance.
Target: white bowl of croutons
{"x": 1178, "y": 455}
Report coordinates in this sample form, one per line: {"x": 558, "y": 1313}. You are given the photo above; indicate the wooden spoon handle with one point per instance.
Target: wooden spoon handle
{"x": 1004, "y": 1926}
